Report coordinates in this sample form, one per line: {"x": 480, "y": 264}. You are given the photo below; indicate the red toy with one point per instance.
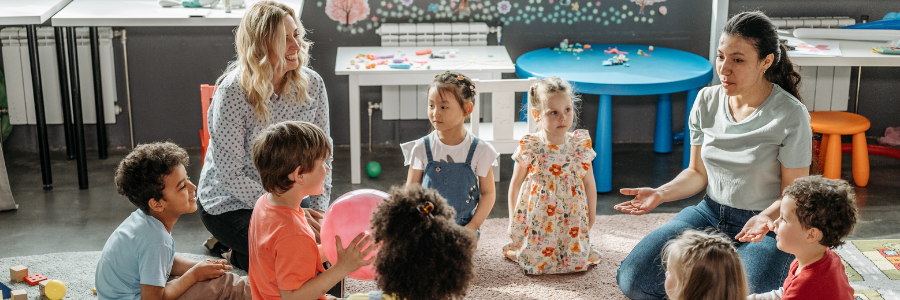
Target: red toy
{"x": 423, "y": 52}
{"x": 34, "y": 279}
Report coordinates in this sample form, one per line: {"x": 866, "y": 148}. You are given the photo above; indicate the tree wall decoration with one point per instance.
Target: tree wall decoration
{"x": 347, "y": 12}
{"x": 643, "y": 3}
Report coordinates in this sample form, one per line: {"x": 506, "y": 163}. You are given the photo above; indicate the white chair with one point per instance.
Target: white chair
{"x": 504, "y": 133}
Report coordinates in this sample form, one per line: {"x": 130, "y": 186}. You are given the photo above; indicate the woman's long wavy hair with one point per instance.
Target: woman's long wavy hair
{"x": 262, "y": 28}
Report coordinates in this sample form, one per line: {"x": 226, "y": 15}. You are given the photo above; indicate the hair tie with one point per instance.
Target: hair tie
{"x": 426, "y": 208}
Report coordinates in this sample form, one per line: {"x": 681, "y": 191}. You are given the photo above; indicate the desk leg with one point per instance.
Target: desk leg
{"x": 64, "y": 91}
{"x": 662, "y": 139}
{"x": 98, "y": 93}
{"x": 603, "y": 146}
{"x": 689, "y": 104}
{"x": 355, "y": 176}
{"x": 75, "y": 85}
{"x": 37, "y": 88}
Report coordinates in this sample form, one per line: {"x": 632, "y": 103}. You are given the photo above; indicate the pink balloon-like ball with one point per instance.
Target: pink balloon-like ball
{"x": 349, "y": 215}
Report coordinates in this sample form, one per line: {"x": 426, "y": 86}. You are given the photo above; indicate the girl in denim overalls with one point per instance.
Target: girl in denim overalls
{"x": 450, "y": 159}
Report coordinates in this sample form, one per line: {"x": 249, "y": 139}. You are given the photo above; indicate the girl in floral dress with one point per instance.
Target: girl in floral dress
{"x": 553, "y": 198}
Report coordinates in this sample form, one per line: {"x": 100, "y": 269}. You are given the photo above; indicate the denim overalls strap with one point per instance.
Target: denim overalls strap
{"x": 456, "y": 182}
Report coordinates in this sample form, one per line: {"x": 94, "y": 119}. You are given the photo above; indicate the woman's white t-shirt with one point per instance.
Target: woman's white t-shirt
{"x": 484, "y": 157}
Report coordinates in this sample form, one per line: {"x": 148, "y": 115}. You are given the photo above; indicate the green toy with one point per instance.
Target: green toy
{"x": 373, "y": 169}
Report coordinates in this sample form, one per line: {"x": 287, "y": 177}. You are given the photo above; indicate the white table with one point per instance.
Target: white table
{"x": 30, "y": 13}
{"x": 853, "y": 53}
{"x": 481, "y": 62}
{"x": 149, "y": 13}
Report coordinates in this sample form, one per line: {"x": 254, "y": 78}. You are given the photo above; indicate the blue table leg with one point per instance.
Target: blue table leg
{"x": 603, "y": 146}
{"x": 662, "y": 139}
{"x": 691, "y": 97}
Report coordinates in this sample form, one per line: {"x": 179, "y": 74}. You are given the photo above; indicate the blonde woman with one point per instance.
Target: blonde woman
{"x": 268, "y": 83}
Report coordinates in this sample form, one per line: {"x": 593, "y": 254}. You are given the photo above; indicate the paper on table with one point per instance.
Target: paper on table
{"x": 810, "y": 47}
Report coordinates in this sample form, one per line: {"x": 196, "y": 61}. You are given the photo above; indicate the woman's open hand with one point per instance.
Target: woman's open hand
{"x": 756, "y": 228}
{"x": 645, "y": 200}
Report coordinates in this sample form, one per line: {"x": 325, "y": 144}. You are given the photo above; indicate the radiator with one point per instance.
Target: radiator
{"x": 411, "y": 102}
{"x": 14, "y": 46}
{"x": 822, "y": 88}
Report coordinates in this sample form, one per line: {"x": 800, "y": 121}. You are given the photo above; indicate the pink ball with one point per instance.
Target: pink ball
{"x": 347, "y": 217}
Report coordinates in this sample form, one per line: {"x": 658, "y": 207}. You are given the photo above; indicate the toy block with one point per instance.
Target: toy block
{"x": 19, "y": 295}
{"x": 18, "y": 273}
{"x": 5, "y": 291}
{"x": 34, "y": 279}
{"x": 43, "y": 287}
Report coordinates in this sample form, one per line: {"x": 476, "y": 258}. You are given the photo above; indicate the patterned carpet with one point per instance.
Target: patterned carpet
{"x": 873, "y": 267}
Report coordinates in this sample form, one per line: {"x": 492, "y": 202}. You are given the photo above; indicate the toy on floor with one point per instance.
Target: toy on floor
{"x": 35, "y": 278}
{"x": 347, "y": 217}
{"x": 55, "y": 289}
{"x": 18, "y": 295}
{"x": 18, "y": 273}
{"x": 5, "y": 291}
{"x": 373, "y": 168}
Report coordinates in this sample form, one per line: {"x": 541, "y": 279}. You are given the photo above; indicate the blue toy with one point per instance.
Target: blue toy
{"x": 400, "y": 66}
{"x": 6, "y": 291}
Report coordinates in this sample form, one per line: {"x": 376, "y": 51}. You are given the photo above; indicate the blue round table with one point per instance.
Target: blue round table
{"x": 666, "y": 71}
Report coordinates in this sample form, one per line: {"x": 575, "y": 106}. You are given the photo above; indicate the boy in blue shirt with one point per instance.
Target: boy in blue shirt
{"x": 138, "y": 260}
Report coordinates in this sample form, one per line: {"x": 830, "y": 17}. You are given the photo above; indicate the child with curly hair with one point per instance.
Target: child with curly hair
{"x": 552, "y": 195}
{"x": 817, "y": 213}
{"x": 424, "y": 254}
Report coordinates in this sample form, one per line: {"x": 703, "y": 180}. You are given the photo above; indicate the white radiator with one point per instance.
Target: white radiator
{"x": 410, "y": 102}
{"x": 18, "y": 75}
{"x": 822, "y": 88}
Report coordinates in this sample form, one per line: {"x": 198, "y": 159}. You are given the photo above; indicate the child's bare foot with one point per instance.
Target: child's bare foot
{"x": 511, "y": 255}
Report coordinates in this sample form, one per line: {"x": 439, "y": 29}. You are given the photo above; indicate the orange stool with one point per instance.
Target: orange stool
{"x": 833, "y": 124}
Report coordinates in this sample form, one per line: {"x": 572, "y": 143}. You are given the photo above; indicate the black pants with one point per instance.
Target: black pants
{"x": 231, "y": 229}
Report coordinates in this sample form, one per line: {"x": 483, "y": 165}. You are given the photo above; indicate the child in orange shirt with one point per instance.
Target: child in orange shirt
{"x": 285, "y": 261}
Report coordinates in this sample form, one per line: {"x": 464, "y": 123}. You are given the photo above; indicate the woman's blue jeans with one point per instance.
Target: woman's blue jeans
{"x": 641, "y": 275}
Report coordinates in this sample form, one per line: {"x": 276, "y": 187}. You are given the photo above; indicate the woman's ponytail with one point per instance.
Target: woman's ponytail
{"x": 783, "y": 74}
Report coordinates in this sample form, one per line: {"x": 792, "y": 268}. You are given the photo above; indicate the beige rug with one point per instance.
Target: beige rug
{"x": 499, "y": 278}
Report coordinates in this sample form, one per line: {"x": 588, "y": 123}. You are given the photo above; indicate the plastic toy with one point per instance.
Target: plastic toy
{"x": 348, "y": 216}
{"x": 18, "y": 273}
{"x": 373, "y": 168}
{"x": 34, "y": 279}
{"x": 614, "y": 50}
{"x": 400, "y": 66}
{"x": 42, "y": 287}
{"x": 587, "y": 47}
{"x": 642, "y": 53}
{"x": 423, "y": 52}
{"x": 18, "y": 295}
{"x": 370, "y": 56}
{"x": 55, "y": 289}
{"x": 651, "y": 49}
{"x": 5, "y": 291}
{"x": 397, "y": 60}
{"x": 616, "y": 60}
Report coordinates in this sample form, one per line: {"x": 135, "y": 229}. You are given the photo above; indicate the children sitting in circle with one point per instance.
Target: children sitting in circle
{"x": 285, "y": 261}
{"x": 703, "y": 266}
{"x": 552, "y": 195}
{"x": 424, "y": 254}
{"x": 816, "y": 215}
{"x": 450, "y": 159}
{"x": 138, "y": 260}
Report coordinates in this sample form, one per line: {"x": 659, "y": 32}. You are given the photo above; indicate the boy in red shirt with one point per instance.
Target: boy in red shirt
{"x": 285, "y": 261}
{"x": 816, "y": 214}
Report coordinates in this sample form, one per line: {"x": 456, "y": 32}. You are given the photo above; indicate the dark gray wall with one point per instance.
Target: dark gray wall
{"x": 167, "y": 65}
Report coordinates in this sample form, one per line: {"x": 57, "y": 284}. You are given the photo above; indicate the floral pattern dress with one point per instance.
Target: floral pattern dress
{"x": 549, "y": 230}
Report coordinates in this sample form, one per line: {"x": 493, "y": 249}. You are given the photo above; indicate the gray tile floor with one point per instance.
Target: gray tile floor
{"x": 67, "y": 219}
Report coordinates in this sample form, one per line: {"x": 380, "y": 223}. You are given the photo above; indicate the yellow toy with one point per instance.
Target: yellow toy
{"x": 55, "y": 289}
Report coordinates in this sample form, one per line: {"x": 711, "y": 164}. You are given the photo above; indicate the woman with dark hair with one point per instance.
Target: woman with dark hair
{"x": 750, "y": 138}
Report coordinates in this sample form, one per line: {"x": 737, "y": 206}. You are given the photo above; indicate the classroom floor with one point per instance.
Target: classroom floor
{"x": 66, "y": 219}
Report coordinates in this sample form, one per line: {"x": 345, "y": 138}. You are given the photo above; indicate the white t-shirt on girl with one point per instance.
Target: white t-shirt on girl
{"x": 484, "y": 157}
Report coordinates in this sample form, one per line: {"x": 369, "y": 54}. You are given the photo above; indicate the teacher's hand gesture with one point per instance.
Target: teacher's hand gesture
{"x": 756, "y": 228}
{"x": 645, "y": 200}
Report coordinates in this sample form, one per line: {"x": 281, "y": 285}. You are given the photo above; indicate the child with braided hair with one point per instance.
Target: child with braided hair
{"x": 424, "y": 254}
{"x": 450, "y": 159}
{"x": 703, "y": 265}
